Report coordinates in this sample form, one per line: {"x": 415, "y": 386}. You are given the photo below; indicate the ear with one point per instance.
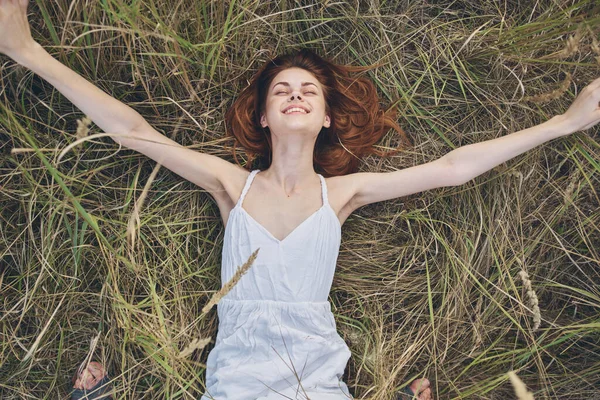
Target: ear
{"x": 263, "y": 121}
{"x": 327, "y": 122}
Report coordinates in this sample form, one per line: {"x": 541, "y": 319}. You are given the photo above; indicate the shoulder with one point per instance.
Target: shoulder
{"x": 232, "y": 180}
{"x": 341, "y": 191}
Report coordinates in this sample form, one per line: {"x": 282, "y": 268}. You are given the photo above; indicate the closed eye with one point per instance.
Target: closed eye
{"x": 278, "y": 93}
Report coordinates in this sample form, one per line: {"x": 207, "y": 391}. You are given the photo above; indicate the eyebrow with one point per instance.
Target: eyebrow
{"x": 288, "y": 85}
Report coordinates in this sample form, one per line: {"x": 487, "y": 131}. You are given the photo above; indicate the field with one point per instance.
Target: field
{"x": 104, "y": 253}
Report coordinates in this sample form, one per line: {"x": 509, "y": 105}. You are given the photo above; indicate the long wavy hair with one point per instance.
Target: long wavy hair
{"x": 357, "y": 120}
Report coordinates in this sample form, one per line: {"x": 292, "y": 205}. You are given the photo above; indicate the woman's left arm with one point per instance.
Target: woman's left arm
{"x": 474, "y": 159}
{"x": 467, "y": 162}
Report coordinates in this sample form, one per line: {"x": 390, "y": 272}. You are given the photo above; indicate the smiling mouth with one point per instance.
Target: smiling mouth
{"x": 296, "y": 110}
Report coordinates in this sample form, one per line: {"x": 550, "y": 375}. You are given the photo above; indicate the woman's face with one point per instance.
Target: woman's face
{"x": 305, "y": 113}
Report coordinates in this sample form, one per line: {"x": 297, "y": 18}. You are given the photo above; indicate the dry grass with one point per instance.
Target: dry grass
{"x": 427, "y": 285}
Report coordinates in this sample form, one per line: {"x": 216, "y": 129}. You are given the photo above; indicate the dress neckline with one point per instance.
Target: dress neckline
{"x": 249, "y": 181}
{"x": 266, "y": 231}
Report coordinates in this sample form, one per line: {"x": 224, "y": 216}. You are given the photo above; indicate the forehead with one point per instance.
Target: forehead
{"x": 295, "y": 76}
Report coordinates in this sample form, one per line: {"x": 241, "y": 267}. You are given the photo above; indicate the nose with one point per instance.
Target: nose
{"x": 297, "y": 96}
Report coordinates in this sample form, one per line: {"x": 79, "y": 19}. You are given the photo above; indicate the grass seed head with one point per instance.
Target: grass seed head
{"x": 520, "y": 388}
{"x": 533, "y": 300}
{"x": 83, "y": 127}
{"x": 555, "y": 94}
{"x": 196, "y": 344}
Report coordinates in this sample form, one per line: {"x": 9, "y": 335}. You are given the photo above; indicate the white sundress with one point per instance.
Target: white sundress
{"x": 277, "y": 337}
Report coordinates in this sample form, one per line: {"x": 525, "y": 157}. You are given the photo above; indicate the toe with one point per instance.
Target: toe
{"x": 420, "y": 385}
{"x": 91, "y": 375}
{"x": 87, "y": 380}
{"x": 425, "y": 394}
{"x": 77, "y": 384}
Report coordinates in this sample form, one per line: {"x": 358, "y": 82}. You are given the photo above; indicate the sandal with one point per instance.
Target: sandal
{"x": 405, "y": 394}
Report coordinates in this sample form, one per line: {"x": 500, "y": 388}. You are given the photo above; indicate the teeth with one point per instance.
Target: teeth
{"x": 295, "y": 109}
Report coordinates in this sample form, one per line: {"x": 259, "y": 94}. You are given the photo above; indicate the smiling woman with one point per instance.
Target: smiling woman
{"x": 300, "y": 114}
{"x": 307, "y": 122}
{"x": 355, "y": 121}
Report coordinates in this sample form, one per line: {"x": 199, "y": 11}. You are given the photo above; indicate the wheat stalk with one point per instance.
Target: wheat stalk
{"x": 196, "y": 344}
{"x": 533, "y": 300}
{"x": 555, "y": 94}
{"x": 229, "y": 285}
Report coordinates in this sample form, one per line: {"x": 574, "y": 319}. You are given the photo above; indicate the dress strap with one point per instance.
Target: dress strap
{"x": 323, "y": 189}
{"x": 247, "y": 185}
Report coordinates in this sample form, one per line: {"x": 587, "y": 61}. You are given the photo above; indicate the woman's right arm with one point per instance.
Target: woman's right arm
{"x": 109, "y": 114}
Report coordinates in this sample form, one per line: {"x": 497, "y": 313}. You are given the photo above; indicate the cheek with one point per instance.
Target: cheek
{"x": 271, "y": 107}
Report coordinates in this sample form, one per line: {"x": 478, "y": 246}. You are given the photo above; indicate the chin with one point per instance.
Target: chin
{"x": 304, "y": 130}
{"x": 304, "y": 126}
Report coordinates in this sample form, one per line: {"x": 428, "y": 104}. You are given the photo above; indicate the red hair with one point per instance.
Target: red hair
{"x": 357, "y": 120}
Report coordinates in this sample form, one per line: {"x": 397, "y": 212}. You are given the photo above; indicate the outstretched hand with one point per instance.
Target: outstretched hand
{"x": 15, "y": 34}
{"x": 585, "y": 110}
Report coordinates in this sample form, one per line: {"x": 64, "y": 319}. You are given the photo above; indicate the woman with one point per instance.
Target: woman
{"x": 277, "y": 335}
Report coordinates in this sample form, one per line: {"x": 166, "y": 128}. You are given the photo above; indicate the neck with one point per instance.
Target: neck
{"x": 291, "y": 167}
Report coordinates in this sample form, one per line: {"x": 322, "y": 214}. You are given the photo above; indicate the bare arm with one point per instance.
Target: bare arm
{"x": 474, "y": 159}
{"x": 467, "y": 162}
{"x": 111, "y": 115}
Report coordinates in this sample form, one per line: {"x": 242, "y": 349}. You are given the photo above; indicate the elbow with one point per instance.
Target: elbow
{"x": 123, "y": 139}
{"x": 461, "y": 180}
{"x": 127, "y": 137}
{"x": 118, "y": 139}
{"x": 457, "y": 175}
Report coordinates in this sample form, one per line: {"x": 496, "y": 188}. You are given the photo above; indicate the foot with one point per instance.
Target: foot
{"x": 91, "y": 383}
{"x": 419, "y": 389}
